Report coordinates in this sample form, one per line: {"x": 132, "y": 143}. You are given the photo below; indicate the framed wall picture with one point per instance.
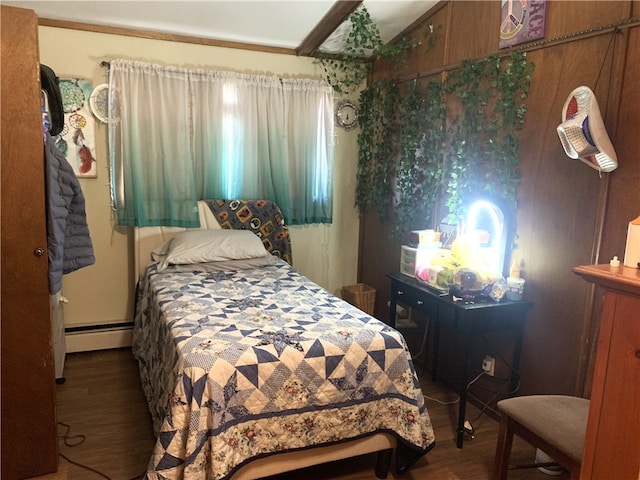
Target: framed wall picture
{"x": 77, "y": 139}
{"x": 522, "y": 21}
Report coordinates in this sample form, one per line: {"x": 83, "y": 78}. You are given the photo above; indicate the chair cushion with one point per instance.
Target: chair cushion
{"x": 558, "y": 419}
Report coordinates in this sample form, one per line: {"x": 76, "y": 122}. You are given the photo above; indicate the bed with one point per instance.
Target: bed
{"x": 250, "y": 369}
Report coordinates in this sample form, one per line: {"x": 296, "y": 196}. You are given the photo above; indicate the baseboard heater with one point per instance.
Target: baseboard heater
{"x": 86, "y": 338}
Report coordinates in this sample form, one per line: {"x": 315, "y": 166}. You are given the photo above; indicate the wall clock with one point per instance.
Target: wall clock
{"x": 347, "y": 115}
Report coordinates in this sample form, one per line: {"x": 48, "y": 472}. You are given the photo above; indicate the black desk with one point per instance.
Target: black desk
{"x": 467, "y": 319}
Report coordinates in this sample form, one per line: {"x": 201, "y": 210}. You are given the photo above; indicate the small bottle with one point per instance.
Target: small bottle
{"x": 615, "y": 262}
{"x": 515, "y": 284}
{"x": 514, "y": 271}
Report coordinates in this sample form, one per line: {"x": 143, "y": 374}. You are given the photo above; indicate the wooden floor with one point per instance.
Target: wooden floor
{"x": 102, "y": 402}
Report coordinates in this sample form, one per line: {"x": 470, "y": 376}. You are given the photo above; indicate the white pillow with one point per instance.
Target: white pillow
{"x": 226, "y": 265}
{"x": 199, "y": 246}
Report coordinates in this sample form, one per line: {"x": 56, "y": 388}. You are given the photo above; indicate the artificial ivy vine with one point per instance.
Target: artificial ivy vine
{"x": 419, "y": 172}
{"x": 483, "y": 147}
{"x": 433, "y": 153}
{"x": 419, "y": 145}
{"x": 376, "y": 147}
{"x": 346, "y": 71}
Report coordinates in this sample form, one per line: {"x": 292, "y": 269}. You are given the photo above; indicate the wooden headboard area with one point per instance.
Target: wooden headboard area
{"x": 263, "y": 217}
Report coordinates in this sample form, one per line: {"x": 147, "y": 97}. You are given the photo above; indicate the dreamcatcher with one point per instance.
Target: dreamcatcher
{"x": 73, "y": 101}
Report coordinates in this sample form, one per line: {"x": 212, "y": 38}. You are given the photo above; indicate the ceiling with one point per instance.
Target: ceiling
{"x": 303, "y": 26}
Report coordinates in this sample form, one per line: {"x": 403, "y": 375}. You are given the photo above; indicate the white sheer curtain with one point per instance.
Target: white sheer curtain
{"x": 238, "y": 133}
{"x": 309, "y": 129}
{"x": 150, "y": 146}
{"x": 185, "y": 135}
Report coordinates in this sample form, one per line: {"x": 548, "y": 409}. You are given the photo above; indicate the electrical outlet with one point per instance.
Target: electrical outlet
{"x": 489, "y": 365}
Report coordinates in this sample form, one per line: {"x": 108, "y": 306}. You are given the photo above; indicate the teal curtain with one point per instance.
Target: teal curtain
{"x": 238, "y": 132}
{"x": 178, "y": 135}
{"x": 150, "y": 150}
{"x": 309, "y": 129}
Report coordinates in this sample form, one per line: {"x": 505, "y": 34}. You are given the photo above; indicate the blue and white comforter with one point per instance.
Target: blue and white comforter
{"x": 249, "y": 363}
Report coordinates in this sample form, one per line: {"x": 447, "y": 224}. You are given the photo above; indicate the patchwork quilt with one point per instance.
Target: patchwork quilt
{"x": 243, "y": 364}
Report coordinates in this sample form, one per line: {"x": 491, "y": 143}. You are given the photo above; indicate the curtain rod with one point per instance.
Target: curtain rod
{"x": 532, "y": 46}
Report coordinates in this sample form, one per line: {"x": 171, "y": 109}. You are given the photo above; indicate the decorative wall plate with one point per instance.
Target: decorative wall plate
{"x": 99, "y": 102}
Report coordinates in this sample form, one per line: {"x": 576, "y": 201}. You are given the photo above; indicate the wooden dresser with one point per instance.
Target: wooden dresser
{"x": 612, "y": 443}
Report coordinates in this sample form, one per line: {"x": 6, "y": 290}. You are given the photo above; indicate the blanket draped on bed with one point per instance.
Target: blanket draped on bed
{"x": 243, "y": 364}
{"x": 262, "y": 217}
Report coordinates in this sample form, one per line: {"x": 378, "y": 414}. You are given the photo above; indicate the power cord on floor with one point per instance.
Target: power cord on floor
{"x": 74, "y": 441}
{"x": 71, "y": 440}
{"x": 441, "y": 402}
{"x": 468, "y": 425}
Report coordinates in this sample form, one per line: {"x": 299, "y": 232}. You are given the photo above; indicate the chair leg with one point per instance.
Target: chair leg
{"x": 503, "y": 450}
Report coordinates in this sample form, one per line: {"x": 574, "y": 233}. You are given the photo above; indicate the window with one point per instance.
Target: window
{"x": 186, "y": 135}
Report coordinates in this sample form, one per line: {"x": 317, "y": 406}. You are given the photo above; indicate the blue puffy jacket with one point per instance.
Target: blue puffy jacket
{"x": 68, "y": 241}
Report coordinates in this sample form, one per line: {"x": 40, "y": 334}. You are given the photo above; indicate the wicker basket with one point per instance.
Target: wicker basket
{"x": 361, "y": 295}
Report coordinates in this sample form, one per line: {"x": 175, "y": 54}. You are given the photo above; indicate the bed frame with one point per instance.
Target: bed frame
{"x": 148, "y": 238}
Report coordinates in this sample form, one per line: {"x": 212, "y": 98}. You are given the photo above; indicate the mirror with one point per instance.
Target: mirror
{"x": 485, "y": 223}
{"x": 488, "y": 225}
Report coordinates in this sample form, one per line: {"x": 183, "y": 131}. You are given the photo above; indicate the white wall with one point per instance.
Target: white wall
{"x": 103, "y": 293}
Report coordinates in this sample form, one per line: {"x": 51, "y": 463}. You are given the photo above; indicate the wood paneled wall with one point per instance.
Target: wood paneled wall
{"x": 567, "y": 214}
